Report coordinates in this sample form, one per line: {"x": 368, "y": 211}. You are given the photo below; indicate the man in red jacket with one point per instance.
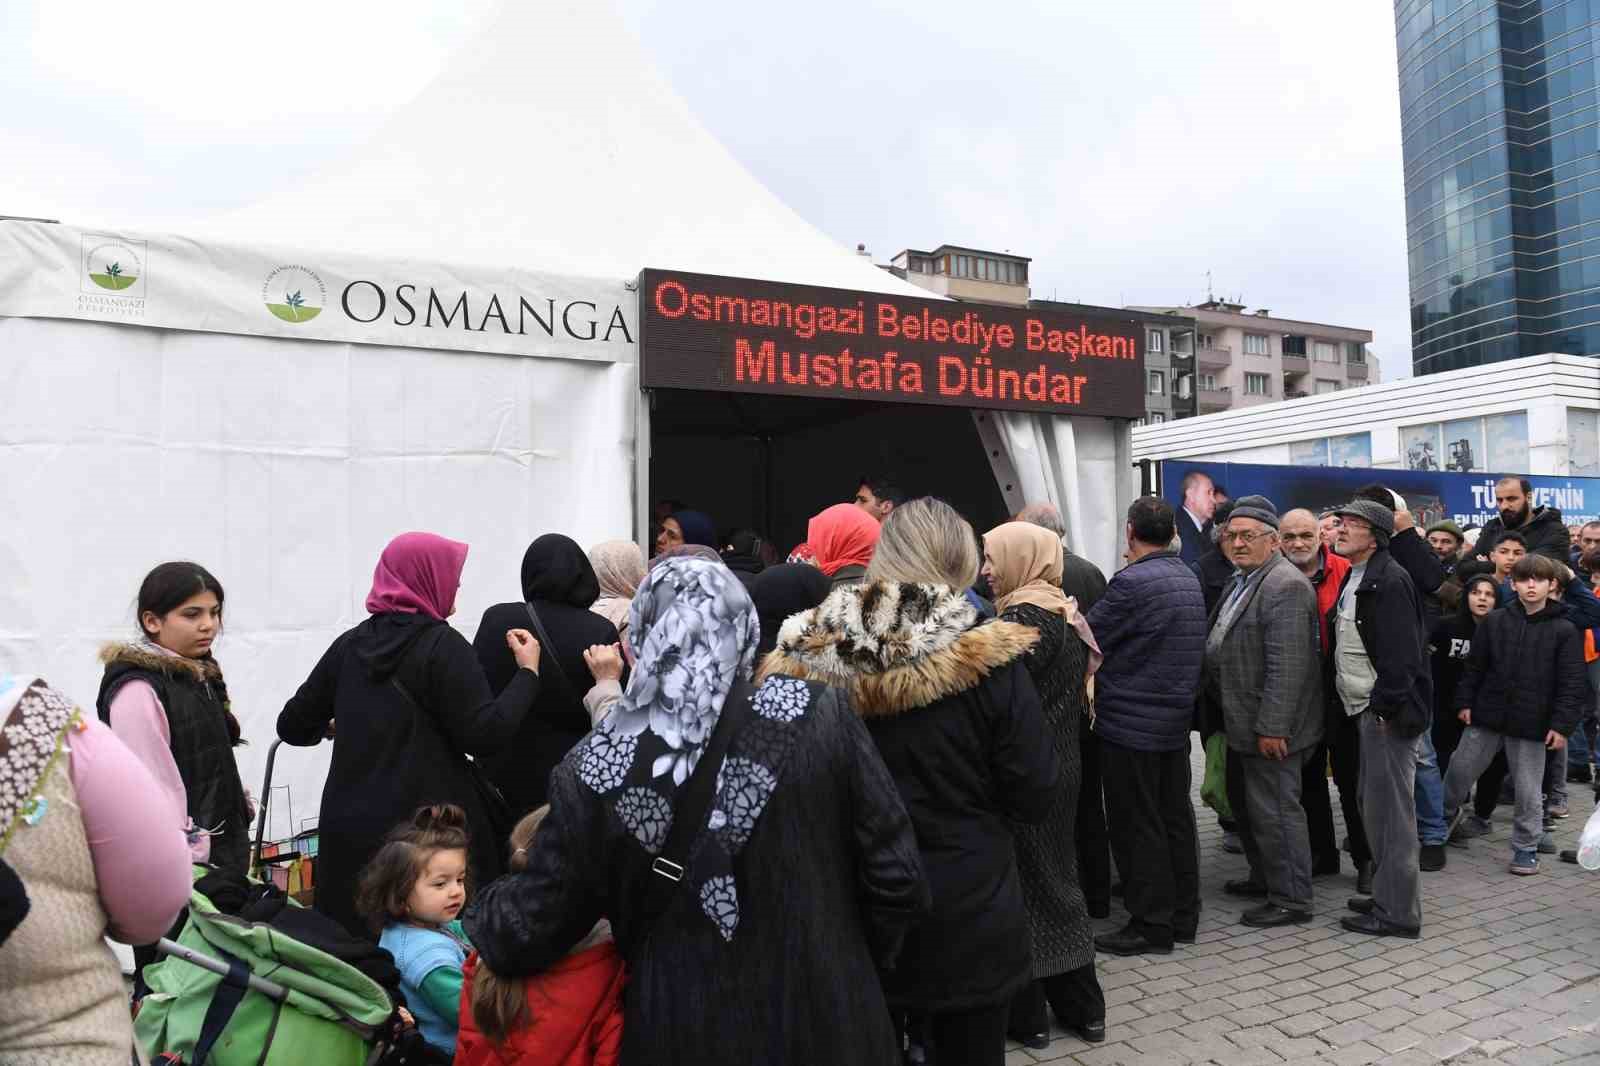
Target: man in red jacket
{"x": 1302, "y": 544}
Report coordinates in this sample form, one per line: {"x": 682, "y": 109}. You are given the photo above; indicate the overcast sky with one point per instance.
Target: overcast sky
{"x": 1127, "y": 148}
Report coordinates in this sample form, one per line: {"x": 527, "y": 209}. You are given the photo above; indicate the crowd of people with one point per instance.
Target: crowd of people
{"x": 856, "y": 806}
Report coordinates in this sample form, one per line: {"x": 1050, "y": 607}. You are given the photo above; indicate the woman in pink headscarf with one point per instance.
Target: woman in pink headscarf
{"x": 405, "y": 700}
{"x": 842, "y": 539}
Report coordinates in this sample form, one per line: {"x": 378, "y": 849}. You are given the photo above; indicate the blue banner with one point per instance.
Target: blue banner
{"x": 1432, "y": 495}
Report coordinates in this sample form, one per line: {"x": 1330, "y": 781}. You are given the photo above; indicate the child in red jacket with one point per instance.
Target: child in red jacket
{"x": 570, "y": 1015}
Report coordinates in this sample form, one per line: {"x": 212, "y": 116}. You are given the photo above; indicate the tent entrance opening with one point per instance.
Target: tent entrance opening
{"x": 769, "y": 463}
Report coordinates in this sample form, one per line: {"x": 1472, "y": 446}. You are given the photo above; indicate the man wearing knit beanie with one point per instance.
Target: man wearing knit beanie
{"x": 1446, "y": 539}
{"x": 1263, "y": 667}
{"x": 1381, "y": 675}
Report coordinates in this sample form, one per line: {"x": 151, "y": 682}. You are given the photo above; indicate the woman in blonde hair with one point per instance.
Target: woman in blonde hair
{"x": 569, "y": 1015}
{"x": 1024, "y": 564}
{"x": 957, "y": 720}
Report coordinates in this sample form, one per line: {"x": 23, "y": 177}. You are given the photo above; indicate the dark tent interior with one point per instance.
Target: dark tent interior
{"x": 771, "y": 462}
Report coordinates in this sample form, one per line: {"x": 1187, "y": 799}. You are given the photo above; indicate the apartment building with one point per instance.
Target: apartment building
{"x": 1244, "y": 358}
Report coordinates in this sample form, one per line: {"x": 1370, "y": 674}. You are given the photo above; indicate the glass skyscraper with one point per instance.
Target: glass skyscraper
{"x": 1498, "y": 111}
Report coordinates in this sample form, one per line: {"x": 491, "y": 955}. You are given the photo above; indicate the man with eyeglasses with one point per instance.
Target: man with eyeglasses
{"x": 1381, "y": 674}
{"x": 1264, "y": 669}
{"x": 1302, "y": 544}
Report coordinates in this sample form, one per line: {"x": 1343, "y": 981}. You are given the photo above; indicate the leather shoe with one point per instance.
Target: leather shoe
{"x": 1036, "y": 1041}
{"x": 1431, "y": 857}
{"x": 1364, "y": 874}
{"x": 1247, "y": 888}
{"x": 1570, "y": 855}
{"x": 1372, "y": 925}
{"x": 1360, "y": 904}
{"x": 1092, "y": 1032}
{"x": 1099, "y": 910}
{"x": 1270, "y": 916}
{"x": 1327, "y": 866}
{"x": 1130, "y": 941}
{"x": 1186, "y": 936}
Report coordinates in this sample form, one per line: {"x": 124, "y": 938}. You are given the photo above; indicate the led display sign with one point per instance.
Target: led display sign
{"x": 739, "y": 335}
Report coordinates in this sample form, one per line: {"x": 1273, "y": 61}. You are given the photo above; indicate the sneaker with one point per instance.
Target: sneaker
{"x": 1558, "y": 810}
{"x": 1524, "y": 863}
{"x": 1431, "y": 857}
{"x": 1473, "y": 826}
{"x": 1547, "y": 843}
{"x": 1570, "y": 855}
{"x": 1580, "y": 775}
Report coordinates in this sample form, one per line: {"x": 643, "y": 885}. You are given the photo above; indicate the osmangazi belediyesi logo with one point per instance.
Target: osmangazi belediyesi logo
{"x": 114, "y": 265}
{"x": 294, "y": 293}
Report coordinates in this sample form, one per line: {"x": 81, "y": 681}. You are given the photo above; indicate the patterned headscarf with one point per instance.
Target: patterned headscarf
{"x": 693, "y": 631}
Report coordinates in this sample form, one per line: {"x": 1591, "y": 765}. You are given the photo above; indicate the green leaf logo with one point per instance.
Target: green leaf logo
{"x": 294, "y": 294}
{"x": 113, "y": 278}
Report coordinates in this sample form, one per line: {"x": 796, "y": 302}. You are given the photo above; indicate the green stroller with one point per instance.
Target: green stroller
{"x": 231, "y": 992}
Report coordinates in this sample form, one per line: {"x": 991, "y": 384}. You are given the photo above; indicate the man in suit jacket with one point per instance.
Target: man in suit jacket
{"x": 1264, "y": 667}
{"x": 1194, "y": 516}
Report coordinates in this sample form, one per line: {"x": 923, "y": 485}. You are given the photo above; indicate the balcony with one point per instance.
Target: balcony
{"x": 1216, "y": 358}
{"x": 1357, "y": 371}
{"x": 1296, "y": 364}
{"x": 1216, "y": 399}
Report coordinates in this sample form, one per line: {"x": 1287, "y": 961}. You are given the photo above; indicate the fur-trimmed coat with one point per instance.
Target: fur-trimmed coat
{"x": 958, "y": 722}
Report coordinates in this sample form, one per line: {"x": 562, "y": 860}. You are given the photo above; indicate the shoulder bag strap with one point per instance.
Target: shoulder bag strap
{"x": 547, "y": 647}
{"x": 689, "y": 815}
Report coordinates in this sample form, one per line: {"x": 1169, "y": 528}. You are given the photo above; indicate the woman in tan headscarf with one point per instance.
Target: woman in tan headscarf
{"x": 1023, "y": 564}
{"x": 619, "y": 564}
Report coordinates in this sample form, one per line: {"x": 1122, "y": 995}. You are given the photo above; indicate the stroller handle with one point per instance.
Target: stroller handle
{"x": 261, "y": 805}
{"x": 271, "y": 989}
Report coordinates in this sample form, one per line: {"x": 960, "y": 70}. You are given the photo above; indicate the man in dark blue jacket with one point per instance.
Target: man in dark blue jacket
{"x": 1151, "y": 625}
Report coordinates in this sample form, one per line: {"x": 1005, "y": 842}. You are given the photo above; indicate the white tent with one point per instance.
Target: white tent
{"x": 251, "y": 395}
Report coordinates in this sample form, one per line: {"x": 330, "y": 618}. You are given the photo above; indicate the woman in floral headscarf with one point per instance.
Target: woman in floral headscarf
{"x": 405, "y": 700}
{"x": 802, "y": 884}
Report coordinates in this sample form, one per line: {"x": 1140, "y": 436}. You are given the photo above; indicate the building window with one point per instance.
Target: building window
{"x": 1158, "y": 383}
{"x": 1293, "y": 344}
{"x": 1208, "y": 383}
{"x": 1207, "y": 340}
{"x": 1256, "y": 344}
{"x": 1327, "y": 352}
{"x": 1182, "y": 343}
{"x": 1258, "y": 385}
{"x": 1326, "y": 386}
{"x": 1152, "y": 340}
{"x": 1355, "y": 352}
{"x": 1156, "y": 418}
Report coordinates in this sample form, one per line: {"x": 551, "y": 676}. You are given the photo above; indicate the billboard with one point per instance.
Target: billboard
{"x": 739, "y": 335}
{"x": 1432, "y": 495}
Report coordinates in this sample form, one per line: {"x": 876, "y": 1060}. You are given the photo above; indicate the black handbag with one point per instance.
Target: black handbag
{"x": 493, "y": 802}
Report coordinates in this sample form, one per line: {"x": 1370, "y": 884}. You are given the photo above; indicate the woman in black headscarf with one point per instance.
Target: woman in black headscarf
{"x": 558, "y": 588}
{"x": 781, "y": 591}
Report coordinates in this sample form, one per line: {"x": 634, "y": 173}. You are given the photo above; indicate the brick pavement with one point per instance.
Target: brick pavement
{"x": 1507, "y": 970}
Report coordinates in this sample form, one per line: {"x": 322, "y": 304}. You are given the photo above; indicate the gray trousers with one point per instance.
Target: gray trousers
{"x": 1272, "y": 824}
{"x": 1526, "y": 762}
{"x": 1389, "y": 811}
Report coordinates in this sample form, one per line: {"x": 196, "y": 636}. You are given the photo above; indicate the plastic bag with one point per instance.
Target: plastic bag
{"x": 1214, "y": 787}
{"x": 1589, "y": 843}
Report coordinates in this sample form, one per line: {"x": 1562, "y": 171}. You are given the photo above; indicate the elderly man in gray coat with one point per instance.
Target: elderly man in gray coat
{"x": 1264, "y": 669}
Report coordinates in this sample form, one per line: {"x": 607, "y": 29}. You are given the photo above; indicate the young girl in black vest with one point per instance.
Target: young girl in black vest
{"x": 164, "y": 696}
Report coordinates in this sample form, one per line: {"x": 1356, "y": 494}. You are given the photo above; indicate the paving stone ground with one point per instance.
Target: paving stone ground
{"x": 1507, "y": 970}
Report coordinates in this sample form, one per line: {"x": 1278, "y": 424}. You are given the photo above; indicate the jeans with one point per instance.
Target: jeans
{"x": 1152, "y": 826}
{"x": 1526, "y": 758}
{"x": 1431, "y": 828}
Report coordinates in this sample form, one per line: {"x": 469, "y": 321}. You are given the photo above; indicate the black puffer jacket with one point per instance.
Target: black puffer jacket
{"x": 959, "y": 724}
{"x": 1151, "y": 625}
{"x": 1525, "y": 675}
{"x": 1389, "y": 619}
{"x": 1544, "y": 531}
